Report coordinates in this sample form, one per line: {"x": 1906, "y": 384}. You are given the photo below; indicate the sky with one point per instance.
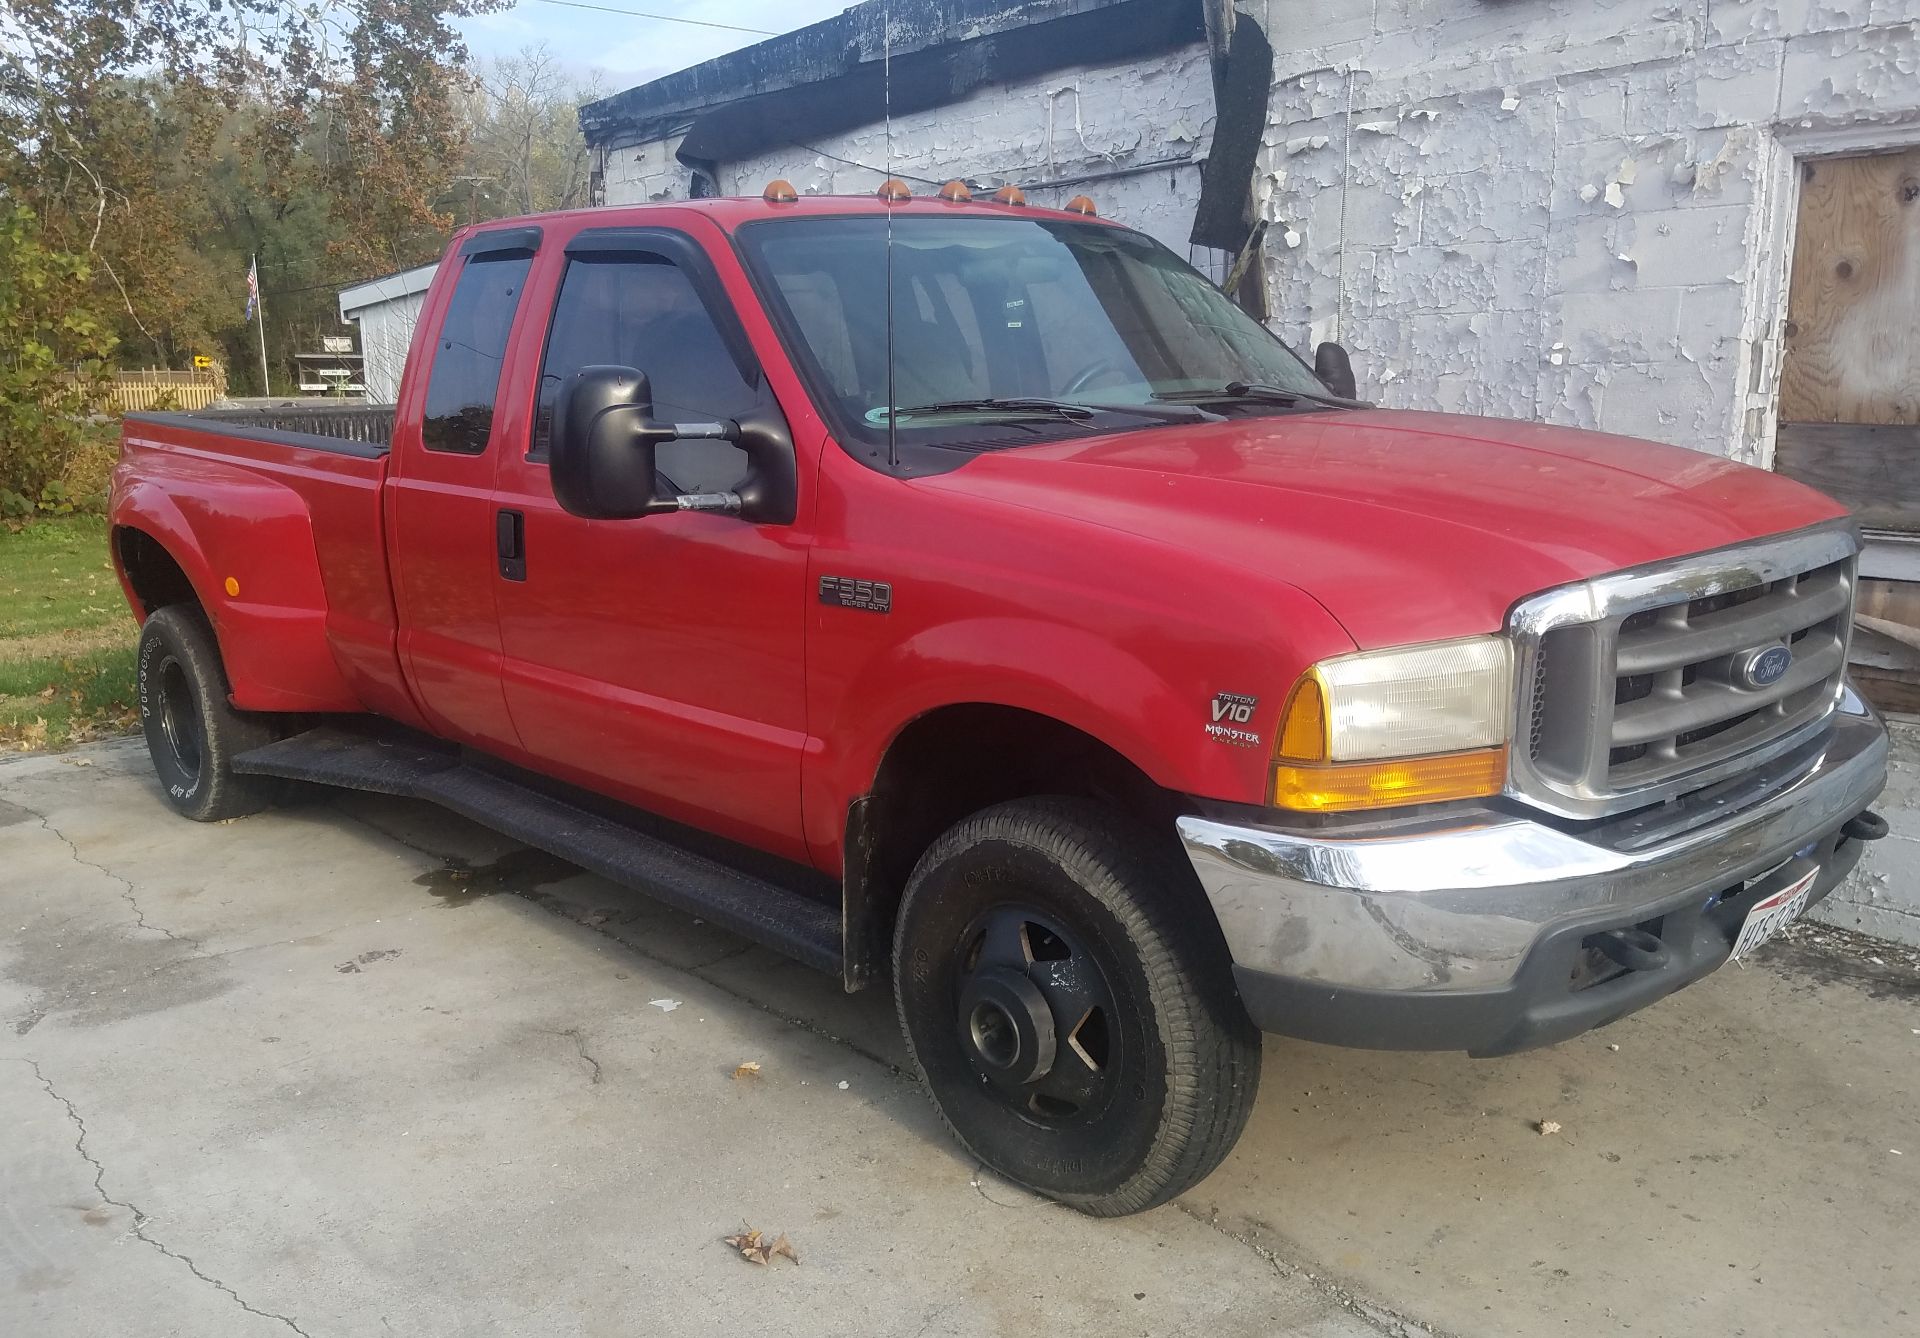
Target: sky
{"x": 629, "y": 50}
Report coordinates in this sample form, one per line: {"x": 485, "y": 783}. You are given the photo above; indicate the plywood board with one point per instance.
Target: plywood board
{"x": 1853, "y": 310}
{"x": 1874, "y": 469}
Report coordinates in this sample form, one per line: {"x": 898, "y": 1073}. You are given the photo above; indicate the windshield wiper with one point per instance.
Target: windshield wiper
{"x": 1253, "y": 390}
{"x": 1040, "y": 405}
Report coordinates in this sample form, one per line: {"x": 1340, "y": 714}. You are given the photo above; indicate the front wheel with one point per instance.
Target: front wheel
{"x": 193, "y": 733}
{"x": 1066, "y": 994}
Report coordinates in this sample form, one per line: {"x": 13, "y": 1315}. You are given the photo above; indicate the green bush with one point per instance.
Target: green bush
{"x": 53, "y": 368}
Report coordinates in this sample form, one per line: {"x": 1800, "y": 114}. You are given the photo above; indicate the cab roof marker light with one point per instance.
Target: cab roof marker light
{"x": 1080, "y": 204}
{"x": 780, "y": 191}
{"x": 1012, "y": 195}
{"x": 893, "y": 190}
{"x": 956, "y": 192}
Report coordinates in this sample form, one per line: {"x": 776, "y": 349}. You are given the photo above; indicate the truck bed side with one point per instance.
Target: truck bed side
{"x": 275, "y": 521}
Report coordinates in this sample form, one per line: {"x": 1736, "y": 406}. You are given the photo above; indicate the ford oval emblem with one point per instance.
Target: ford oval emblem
{"x": 1763, "y": 667}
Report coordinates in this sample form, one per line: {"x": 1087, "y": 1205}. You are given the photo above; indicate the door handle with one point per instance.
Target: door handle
{"x": 510, "y": 543}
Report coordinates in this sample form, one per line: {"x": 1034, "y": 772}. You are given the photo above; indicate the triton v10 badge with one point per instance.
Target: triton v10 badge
{"x": 1232, "y": 716}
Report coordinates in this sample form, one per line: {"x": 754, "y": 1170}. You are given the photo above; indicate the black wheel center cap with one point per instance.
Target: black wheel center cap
{"x": 1006, "y": 1026}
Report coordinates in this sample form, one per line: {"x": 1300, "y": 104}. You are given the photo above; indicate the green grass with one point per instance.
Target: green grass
{"x": 66, "y": 636}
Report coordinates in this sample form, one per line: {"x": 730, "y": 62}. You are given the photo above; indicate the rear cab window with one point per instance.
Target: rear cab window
{"x": 465, "y": 381}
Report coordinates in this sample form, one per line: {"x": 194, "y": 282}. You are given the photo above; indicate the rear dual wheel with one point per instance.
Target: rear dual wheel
{"x": 193, "y": 732}
{"x": 1067, "y": 996}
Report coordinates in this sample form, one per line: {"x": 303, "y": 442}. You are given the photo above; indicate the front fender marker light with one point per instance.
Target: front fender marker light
{"x": 1414, "y": 780}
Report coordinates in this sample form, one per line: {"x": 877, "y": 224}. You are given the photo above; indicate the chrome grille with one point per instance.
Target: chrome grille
{"x": 1631, "y": 690}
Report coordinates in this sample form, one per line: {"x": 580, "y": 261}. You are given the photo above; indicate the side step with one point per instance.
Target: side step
{"x": 770, "y": 915}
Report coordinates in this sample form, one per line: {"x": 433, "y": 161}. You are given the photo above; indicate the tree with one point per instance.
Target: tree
{"x": 525, "y": 153}
{"x": 52, "y": 363}
{"x": 115, "y": 115}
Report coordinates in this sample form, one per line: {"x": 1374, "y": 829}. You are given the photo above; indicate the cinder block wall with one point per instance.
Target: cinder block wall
{"x": 1551, "y": 209}
{"x": 1092, "y": 121}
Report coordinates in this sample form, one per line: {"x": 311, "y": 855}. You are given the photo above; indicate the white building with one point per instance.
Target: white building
{"x": 387, "y": 309}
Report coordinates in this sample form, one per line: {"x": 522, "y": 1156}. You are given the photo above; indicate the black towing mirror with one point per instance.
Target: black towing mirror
{"x": 1335, "y": 370}
{"x": 601, "y": 453}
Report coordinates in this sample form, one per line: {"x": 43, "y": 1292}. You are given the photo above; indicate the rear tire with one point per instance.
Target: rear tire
{"x": 193, "y": 733}
{"x": 1066, "y": 995}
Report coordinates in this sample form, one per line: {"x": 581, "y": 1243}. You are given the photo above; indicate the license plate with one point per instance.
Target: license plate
{"x": 1772, "y": 914}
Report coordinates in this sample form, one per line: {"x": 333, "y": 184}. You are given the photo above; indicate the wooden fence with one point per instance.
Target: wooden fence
{"x": 146, "y": 391}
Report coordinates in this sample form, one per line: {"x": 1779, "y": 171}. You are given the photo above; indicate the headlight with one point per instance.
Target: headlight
{"x": 1405, "y": 726}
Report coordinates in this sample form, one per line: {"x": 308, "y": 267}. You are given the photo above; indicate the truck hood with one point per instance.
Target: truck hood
{"x": 1405, "y": 526}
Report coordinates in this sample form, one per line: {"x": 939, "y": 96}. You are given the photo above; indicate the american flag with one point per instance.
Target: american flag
{"x": 253, "y": 287}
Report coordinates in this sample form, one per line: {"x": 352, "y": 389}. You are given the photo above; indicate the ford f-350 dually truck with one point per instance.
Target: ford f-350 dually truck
{"x": 970, "y": 595}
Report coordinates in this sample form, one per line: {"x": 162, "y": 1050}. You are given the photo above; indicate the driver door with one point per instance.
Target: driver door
{"x": 657, "y": 659}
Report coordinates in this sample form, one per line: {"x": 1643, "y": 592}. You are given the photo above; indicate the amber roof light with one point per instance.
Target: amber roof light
{"x": 1009, "y": 195}
{"x": 893, "y": 190}
{"x": 1080, "y": 204}
{"x": 780, "y": 192}
{"x": 956, "y": 191}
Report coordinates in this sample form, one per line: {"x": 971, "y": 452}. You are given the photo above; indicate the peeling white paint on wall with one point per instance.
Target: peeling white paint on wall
{"x": 1583, "y": 174}
{"x": 1457, "y": 186}
{"x": 1150, "y": 124}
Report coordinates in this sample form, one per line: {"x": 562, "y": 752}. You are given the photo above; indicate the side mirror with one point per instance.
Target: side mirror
{"x": 600, "y": 452}
{"x": 1335, "y": 370}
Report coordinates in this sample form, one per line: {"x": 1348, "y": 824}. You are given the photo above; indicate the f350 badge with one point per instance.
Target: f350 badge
{"x": 847, "y": 593}
{"x": 1232, "y": 714}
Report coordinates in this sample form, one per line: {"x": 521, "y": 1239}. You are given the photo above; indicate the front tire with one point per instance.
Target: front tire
{"x": 193, "y": 733}
{"x": 1066, "y": 995}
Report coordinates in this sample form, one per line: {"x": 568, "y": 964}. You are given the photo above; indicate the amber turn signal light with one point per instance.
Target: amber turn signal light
{"x": 1412, "y": 780}
{"x": 1303, "y": 725}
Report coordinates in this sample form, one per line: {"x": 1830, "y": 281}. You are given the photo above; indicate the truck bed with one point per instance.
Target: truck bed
{"x": 353, "y": 429}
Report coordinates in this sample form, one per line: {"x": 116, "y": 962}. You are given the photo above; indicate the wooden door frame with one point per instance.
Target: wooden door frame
{"x": 1772, "y": 233}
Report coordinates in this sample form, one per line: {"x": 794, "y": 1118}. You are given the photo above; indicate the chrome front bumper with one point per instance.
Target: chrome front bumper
{"x": 1478, "y": 913}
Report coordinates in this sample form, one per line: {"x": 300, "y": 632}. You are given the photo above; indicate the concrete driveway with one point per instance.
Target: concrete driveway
{"x": 358, "y": 1067}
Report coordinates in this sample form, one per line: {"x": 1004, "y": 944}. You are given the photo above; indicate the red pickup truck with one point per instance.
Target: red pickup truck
{"x": 971, "y": 595}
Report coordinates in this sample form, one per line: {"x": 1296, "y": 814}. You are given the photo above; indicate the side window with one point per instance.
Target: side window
{"x": 473, "y": 344}
{"x": 634, "y": 309}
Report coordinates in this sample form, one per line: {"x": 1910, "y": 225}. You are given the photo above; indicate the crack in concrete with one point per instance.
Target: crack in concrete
{"x": 126, "y": 886}
{"x": 1386, "y": 1322}
{"x": 579, "y": 1040}
{"x": 140, "y": 1219}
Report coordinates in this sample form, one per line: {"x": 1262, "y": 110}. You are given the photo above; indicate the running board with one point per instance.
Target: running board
{"x": 770, "y": 915}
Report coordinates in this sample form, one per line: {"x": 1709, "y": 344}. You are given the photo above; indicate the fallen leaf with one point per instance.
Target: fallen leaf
{"x": 664, "y": 1005}
{"x": 755, "y": 1248}
{"x": 46, "y": 693}
{"x": 748, "y": 1069}
{"x": 1547, "y": 1127}
{"x": 78, "y": 761}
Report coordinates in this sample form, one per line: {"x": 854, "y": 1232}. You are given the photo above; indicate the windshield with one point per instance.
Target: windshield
{"x": 1002, "y": 308}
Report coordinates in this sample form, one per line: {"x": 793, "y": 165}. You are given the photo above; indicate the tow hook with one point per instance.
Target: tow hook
{"x": 1866, "y": 825}
{"x": 1635, "y": 949}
